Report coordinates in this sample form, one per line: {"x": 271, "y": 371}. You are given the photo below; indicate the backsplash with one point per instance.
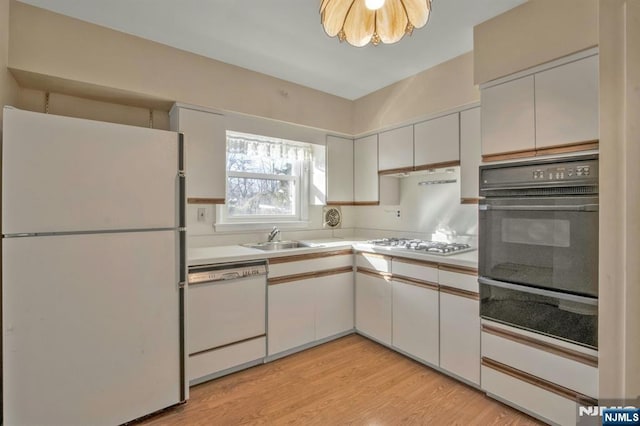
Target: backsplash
{"x": 201, "y": 234}
{"x": 424, "y": 210}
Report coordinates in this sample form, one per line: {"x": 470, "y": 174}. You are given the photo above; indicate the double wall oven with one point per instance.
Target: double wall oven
{"x": 538, "y": 251}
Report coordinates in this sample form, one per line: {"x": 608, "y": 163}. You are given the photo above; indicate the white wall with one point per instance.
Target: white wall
{"x": 424, "y": 209}
{"x": 203, "y": 233}
{"x": 619, "y": 276}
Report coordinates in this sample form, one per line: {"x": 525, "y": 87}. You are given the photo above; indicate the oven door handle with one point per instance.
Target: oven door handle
{"x": 539, "y": 291}
{"x": 551, "y": 208}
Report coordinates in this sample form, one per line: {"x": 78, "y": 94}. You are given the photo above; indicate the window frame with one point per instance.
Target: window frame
{"x": 300, "y": 178}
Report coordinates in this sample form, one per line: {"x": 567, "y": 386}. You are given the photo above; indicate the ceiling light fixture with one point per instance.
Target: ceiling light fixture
{"x": 361, "y": 22}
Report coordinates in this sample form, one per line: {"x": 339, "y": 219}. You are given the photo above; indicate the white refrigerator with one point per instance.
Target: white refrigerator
{"x": 93, "y": 271}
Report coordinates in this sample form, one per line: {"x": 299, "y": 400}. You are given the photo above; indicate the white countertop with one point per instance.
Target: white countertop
{"x": 238, "y": 253}
{"x": 467, "y": 259}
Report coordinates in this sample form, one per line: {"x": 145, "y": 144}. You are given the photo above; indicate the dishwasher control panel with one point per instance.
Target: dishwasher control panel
{"x": 226, "y": 271}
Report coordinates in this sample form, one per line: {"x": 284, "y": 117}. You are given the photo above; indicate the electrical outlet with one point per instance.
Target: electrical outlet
{"x": 202, "y": 213}
{"x": 397, "y": 213}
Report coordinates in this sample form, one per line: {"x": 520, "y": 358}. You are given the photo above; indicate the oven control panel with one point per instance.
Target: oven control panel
{"x": 568, "y": 172}
{"x": 560, "y": 173}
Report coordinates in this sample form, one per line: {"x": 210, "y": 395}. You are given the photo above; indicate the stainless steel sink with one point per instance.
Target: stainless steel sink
{"x": 276, "y": 245}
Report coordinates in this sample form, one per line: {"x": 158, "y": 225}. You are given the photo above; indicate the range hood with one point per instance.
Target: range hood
{"x": 436, "y": 176}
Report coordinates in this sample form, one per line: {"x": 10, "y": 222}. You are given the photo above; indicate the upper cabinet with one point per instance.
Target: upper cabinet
{"x": 567, "y": 103}
{"x": 395, "y": 150}
{"x": 365, "y": 170}
{"x": 340, "y": 170}
{"x": 205, "y": 153}
{"x": 470, "y": 156}
{"x": 551, "y": 110}
{"x": 437, "y": 142}
{"x": 508, "y": 117}
{"x": 426, "y": 145}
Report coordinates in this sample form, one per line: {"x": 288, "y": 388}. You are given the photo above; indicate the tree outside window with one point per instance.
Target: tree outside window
{"x": 266, "y": 177}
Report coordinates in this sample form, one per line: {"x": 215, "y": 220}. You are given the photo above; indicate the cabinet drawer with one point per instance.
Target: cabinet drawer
{"x": 316, "y": 262}
{"x": 376, "y": 262}
{"x": 547, "y": 405}
{"x": 205, "y": 364}
{"x": 421, "y": 271}
{"x": 463, "y": 279}
{"x": 541, "y": 359}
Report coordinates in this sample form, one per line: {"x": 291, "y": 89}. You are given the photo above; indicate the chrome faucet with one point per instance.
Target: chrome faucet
{"x": 274, "y": 232}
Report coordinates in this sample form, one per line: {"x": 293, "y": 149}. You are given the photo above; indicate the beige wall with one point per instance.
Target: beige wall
{"x": 619, "y": 320}
{"x": 48, "y": 44}
{"x": 445, "y": 86}
{"x": 531, "y": 34}
{"x": 8, "y": 86}
{"x": 72, "y": 106}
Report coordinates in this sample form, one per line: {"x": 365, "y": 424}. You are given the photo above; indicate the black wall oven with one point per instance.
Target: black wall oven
{"x": 538, "y": 246}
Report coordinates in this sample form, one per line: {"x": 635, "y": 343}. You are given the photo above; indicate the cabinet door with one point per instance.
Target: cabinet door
{"x": 395, "y": 149}
{"x": 291, "y": 312}
{"x": 415, "y": 321}
{"x": 460, "y": 336}
{"x": 334, "y": 304}
{"x": 365, "y": 171}
{"x": 205, "y": 152}
{"x": 567, "y": 103}
{"x": 508, "y": 122}
{"x": 437, "y": 141}
{"x": 339, "y": 170}
{"x": 373, "y": 307}
{"x": 470, "y": 155}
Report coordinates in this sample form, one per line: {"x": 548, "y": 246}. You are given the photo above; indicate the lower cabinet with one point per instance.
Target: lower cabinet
{"x": 291, "y": 315}
{"x": 426, "y": 310}
{"x": 373, "y": 305}
{"x": 415, "y": 320}
{"x": 547, "y": 377}
{"x": 460, "y": 322}
{"x": 310, "y": 298}
{"x": 333, "y": 304}
{"x": 460, "y": 336}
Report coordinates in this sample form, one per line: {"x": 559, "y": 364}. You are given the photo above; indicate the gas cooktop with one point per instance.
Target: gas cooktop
{"x": 430, "y": 247}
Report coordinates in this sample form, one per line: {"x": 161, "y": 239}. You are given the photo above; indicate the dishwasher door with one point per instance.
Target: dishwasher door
{"x": 225, "y": 312}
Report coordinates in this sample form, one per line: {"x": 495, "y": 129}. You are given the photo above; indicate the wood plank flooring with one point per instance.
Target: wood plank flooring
{"x": 350, "y": 381}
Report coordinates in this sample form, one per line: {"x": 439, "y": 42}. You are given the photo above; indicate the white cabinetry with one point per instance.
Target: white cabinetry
{"x": 395, "y": 149}
{"x": 567, "y": 103}
{"x": 291, "y": 315}
{"x": 415, "y": 310}
{"x": 460, "y": 323}
{"x": 310, "y": 299}
{"x": 339, "y": 170}
{"x": 470, "y": 154}
{"x": 437, "y": 142}
{"x": 373, "y": 297}
{"x": 365, "y": 170}
{"x": 334, "y": 296}
{"x": 540, "y": 374}
{"x": 546, "y": 110}
{"x": 205, "y": 152}
{"x": 508, "y": 117}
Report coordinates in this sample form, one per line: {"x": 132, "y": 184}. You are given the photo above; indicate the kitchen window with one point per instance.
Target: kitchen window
{"x": 267, "y": 180}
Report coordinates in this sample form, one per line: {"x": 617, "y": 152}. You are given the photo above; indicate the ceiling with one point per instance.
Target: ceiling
{"x": 284, "y": 38}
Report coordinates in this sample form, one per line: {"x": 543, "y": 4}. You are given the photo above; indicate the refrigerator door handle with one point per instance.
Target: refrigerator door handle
{"x": 181, "y": 200}
{"x": 181, "y": 290}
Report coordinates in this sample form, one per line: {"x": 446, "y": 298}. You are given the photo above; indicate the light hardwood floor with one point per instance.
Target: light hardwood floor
{"x": 350, "y": 381}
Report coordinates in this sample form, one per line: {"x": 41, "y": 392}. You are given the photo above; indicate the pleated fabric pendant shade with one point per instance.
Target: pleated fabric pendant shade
{"x": 361, "y": 22}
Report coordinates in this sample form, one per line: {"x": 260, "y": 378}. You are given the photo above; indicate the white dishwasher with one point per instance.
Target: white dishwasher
{"x": 226, "y": 318}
